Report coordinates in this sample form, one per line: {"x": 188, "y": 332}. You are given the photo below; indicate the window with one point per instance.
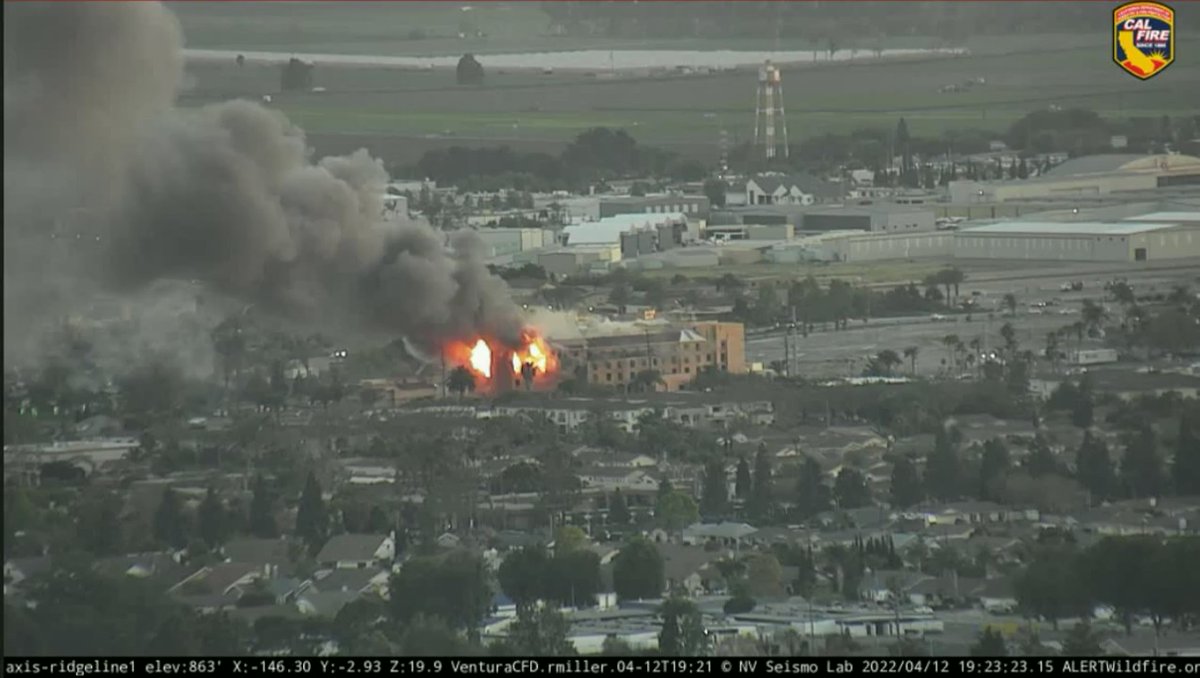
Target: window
{"x": 688, "y": 370}
{"x": 608, "y": 377}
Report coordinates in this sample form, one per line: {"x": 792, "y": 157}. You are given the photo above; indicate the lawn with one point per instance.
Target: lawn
{"x": 386, "y": 108}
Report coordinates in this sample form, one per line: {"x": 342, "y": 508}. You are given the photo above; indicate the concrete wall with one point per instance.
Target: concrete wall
{"x": 1051, "y": 247}
{"x": 1177, "y": 243}
{"x": 780, "y": 232}
{"x": 694, "y": 206}
{"x": 902, "y": 246}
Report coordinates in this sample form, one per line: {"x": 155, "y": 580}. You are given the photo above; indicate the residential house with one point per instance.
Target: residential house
{"x": 17, "y": 570}
{"x": 686, "y": 568}
{"x": 727, "y": 533}
{"x": 361, "y": 582}
{"x": 777, "y": 189}
{"x": 881, "y": 586}
{"x": 216, "y": 587}
{"x": 357, "y": 551}
{"x": 997, "y": 595}
{"x": 314, "y": 603}
{"x": 272, "y": 555}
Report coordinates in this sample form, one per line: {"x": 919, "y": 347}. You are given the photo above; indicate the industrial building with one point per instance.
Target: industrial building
{"x": 677, "y": 354}
{"x": 1133, "y": 240}
{"x": 873, "y": 218}
{"x": 1087, "y": 176}
{"x": 499, "y": 242}
{"x": 564, "y": 261}
{"x": 693, "y": 206}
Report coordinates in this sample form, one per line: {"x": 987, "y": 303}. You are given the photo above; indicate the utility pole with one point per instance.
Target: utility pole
{"x": 787, "y": 356}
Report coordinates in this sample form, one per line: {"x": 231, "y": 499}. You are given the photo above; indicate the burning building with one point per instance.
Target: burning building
{"x": 498, "y": 366}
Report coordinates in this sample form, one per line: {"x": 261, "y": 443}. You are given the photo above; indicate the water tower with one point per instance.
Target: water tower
{"x": 770, "y": 123}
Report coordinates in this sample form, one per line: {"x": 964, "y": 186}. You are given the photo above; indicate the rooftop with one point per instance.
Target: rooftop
{"x": 1083, "y": 228}
{"x": 1094, "y": 164}
{"x": 1168, "y": 216}
{"x": 351, "y": 547}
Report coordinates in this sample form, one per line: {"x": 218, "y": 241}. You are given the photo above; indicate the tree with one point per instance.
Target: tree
{"x": 760, "y": 493}
{"x": 744, "y": 482}
{"x": 460, "y": 381}
{"x": 262, "y": 511}
{"x": 676, "y": 511}
{"x": 1185, "y": 470}
{"x": 1094, "y": 468}
{"x": 469, "y": 71}
{"x": 850, "y": 489}
{"x": 991, "y": 644}
{"x": 170, "y": 524}
{"x": 619, "y": 296}
{"x": 1051, "y": 588}
{"x": 540, "y": 632}
{"x": 812, "y": 495}
{"x": 615, "y": 647}
{"x": 638, "y": 571}
{"x": 764, "y": 575}
{"x": 453, "y": 587}
{"x": 522, "y": 575}
{"x": 1040, "y": 460}
{"x": 312, "y": 517}
{"x": 715, "y": 498}
{"x": 942, "y": 469}
{"x": 1082, "y": 642}
{"x": 297, "y": 76}
{"x": 213, "y": 523}
{"x": 1141, "y": 467}
{"x": 1117, "y": 574}
{"x": 569, "y": 538}
{"x": 573, "y": 578}
{"x": 714, "y": 190}
{"x": 906, "y": 489}
{"x": 618, "y": 510}
{"x": 682, "y": 632}
{"x": 911, "y": 354}
{"x": 993, "y": 467}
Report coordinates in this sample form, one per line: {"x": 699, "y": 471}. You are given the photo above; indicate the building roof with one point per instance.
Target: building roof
{"x": 258, "y": 551}
{"x": 681, "y": 562}
{"x": 805, "y": 182}
{"x": 1188, "y": 217}
{"x": 351, "y": 547}
{"x": 726, "y": 530}
{"x": 1083, "y": 228}
{"x": 608, "y": 231}
{"x": 660, "y": 337}
{"x": 1094, "y": 164}
{"x": 347, "y": 580}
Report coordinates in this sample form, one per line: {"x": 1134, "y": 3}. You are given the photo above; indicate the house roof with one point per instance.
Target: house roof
{"x": 351, "y": 547}
{"x": 805, "y": 182}
{"x": 726, "y": 530}
{"x": 217, "y": 579}
{"x": 347, "y": 580}
{"x": 681, "y": 562}
{"x": 327, "y": 604}
{"x": 257, "y": 551}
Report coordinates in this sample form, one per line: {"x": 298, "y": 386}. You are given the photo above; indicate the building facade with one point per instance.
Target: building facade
{"x": 676, "y": 354}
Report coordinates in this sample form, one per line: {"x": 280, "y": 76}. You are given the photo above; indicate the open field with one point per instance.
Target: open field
{"x": 399, "y": 113}
{"x": 390, "y": 28}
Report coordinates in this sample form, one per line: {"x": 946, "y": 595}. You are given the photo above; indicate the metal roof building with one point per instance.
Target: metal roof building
{"x": 1130, "y": 240}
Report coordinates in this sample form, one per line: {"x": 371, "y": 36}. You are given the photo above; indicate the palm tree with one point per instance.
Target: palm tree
{"x": 951, "y": 342}
{"x": 887, "y": 360}
{"x": 1052, "y": 348}
{"x": 1010, "y": 338}
{"x": 460, "y": 381}
{"x": 911, "y": 353}
{"x": 1010, "y": 302}
{"x": 1093, "y": 314}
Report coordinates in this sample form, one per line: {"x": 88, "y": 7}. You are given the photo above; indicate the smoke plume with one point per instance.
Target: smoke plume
{"x": 109, "y": 187}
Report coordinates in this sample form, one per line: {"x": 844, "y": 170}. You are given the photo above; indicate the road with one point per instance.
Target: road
{"x": 825, "y": 354}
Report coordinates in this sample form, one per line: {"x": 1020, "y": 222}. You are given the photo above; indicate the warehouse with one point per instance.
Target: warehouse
{"x": 499, "y": 242}
{"x": 1088, "y": 176}
{"x": 873, "y": 218}
{"x": 1079, "y": 241}
{"x": 694, "y": 206}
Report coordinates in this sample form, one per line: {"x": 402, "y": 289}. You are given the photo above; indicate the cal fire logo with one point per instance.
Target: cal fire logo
{"x": 1143, "y": 38}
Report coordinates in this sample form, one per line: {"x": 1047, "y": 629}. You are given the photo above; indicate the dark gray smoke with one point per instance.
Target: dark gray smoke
{"x": 107, "y": 179}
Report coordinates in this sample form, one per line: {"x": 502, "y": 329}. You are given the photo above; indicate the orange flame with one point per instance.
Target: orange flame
{"x": 536, "y": 354}
{"x": 481, "y": 358}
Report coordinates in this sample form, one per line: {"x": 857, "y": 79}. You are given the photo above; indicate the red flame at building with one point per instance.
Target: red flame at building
{"x": 495, "y": 366}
